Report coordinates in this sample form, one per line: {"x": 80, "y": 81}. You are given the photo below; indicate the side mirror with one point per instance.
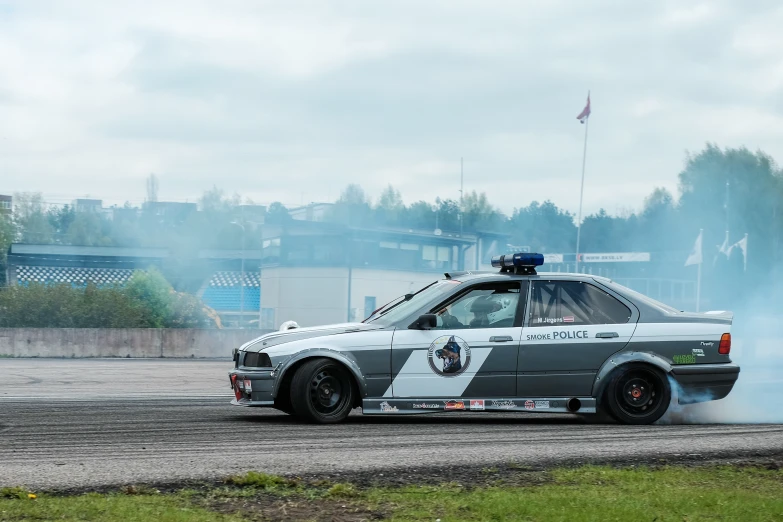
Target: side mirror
{"x": 425, "y": 322}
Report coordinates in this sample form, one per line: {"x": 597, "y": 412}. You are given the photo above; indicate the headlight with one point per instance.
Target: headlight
{"x": 257, "y": 360}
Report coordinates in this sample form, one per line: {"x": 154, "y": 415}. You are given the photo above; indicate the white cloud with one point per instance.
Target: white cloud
{"x": 292, "y": 101}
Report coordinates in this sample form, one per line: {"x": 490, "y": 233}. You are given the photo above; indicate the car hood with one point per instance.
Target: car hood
{"x": 298, "y": 334}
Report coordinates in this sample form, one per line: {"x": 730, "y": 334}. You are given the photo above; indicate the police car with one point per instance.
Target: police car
{"x": 509, "y": 340}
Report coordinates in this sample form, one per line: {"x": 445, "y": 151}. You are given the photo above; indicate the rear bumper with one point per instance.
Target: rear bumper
{"x": 704, "y": 382}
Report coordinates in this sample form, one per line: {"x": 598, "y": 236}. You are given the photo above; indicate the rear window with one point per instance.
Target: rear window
{"x": 574, "y": 303}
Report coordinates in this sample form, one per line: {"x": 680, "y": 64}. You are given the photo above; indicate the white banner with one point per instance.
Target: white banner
{"x": 618, "y": 257}
{"x": 553, "y": 258}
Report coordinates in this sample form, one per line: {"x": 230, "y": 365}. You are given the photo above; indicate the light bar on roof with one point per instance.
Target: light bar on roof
{"x": 519, "y": 260}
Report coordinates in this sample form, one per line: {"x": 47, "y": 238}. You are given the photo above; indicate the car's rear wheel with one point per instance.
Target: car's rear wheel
{"x": 638, "y": 394}
{"x": 322, "y": 391}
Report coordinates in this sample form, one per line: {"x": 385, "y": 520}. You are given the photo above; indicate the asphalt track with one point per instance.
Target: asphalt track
{"x": 68, "y": 424}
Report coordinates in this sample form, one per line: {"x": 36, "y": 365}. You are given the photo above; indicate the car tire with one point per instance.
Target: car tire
{"x": 322, "y": 392}
{"x": 283, "y": 403}
{"x": 638, "y": 394}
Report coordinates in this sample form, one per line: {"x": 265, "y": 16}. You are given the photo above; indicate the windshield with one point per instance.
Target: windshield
{"x": 404, "y": 308}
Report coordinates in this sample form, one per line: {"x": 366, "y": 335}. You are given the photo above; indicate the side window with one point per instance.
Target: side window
{"x": 483, "y": 306}
{"x": 574, "y": 302}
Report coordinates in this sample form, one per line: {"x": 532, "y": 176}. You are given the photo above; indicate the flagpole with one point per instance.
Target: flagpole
{"x": 581, "y": 191}
{"x": 698, "y": 287}
{"x": 745, "y": 254}
{"x": 698, "y": 274}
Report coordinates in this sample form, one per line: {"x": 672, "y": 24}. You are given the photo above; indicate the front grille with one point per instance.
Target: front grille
{"x": 257, "y": 360}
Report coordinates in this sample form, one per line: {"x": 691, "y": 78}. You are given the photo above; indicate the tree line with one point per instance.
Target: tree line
{"x": 731, "y": 189}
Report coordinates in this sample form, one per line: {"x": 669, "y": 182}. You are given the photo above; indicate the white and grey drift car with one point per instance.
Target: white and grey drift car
{"x": 511, "y": 340}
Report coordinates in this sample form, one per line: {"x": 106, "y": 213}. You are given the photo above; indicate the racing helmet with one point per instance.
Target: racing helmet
{"x": 485, "y": 304}
{"x": 288, "y": 325}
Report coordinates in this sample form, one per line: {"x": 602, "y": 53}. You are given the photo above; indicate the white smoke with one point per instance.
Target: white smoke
{"x": 757, "y": 346}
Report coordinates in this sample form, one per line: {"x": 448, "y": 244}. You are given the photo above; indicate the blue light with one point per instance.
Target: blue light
{"x": 520, "y": 259}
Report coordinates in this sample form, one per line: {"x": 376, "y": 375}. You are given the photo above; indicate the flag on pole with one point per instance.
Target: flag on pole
{"x": 695, "y": 257}
{"x": 724, "y": 249}
{"x": 585, "y": 112}
{"x": 742, "y": 244}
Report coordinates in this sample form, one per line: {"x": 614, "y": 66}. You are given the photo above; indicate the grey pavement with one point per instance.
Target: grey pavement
{"x": 88, "y": 423}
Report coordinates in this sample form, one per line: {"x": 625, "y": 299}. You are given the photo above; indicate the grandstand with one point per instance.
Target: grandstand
{"x": 75, "y": 276}
{"x": 223, "y": 292}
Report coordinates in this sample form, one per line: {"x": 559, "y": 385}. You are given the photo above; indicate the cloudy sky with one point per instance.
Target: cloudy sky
{"x": 291, "y": 101}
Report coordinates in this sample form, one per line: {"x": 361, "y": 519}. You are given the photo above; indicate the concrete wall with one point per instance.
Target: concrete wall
{"x": 121, "y": 342}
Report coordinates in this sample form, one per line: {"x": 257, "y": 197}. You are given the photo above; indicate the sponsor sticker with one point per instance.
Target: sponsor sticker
{"x": 550, "y": 320}
{"x": 477, "y": 404}
{"x": 448, "y": 355}
{"x": 698, "y": 352}
{"x": 455, "y": 405}
{"x": 385, "y": 406}
{"x": 506, "y": 404}
{"x": 529, "y": 405}
{"x": 684, "y": 359}
{"x": 542, "y": 405}
{"x": 426, "y": 406}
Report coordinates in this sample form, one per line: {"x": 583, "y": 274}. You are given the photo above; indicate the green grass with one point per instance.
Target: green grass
{"x": 110, "y": 507}
{"x": 583, "y": 494}
{"x": 602, "y": 494}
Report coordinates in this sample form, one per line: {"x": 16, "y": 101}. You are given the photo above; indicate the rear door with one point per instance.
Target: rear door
{"x": 471, "y": 353}
{"x": 572, "y": 327}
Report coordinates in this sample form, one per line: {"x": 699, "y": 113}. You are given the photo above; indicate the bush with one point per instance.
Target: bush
{"x": 147, "y": 301}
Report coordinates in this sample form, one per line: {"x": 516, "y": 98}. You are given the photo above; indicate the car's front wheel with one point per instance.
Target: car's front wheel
{"x": 638, "y": 394}
{"x": 322, "y": 391}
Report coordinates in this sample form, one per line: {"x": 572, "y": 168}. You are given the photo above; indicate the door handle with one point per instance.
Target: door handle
{"x": 606, "y": 335}
{"x": 500, "y": 338}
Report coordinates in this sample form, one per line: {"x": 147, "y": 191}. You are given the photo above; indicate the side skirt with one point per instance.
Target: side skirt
{"x": 408, "y": 406}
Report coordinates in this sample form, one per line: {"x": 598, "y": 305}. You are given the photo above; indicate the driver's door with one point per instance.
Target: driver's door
{"x": 472, "y": 353}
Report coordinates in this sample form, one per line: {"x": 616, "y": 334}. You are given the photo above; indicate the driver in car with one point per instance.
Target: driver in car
{"x": 481, "y": 308}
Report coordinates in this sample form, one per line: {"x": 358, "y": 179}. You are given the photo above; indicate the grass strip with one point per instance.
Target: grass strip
{"x": 587, "y": 493}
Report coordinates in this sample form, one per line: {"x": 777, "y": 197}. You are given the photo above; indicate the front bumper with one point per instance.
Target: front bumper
{"x": 259, "y": 393}
{"x": 704, "y": 382}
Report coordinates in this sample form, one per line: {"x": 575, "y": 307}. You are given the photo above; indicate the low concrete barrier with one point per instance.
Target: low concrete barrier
{"x": 122, "y": 342}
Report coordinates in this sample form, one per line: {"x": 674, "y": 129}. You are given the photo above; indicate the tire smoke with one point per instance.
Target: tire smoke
{"x": 757, "y": 397}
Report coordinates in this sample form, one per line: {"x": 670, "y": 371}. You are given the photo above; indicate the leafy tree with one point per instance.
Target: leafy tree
{"x": 89, "y": 229}
{"x": 277, "y": 214}
{"x": 447, "y": 214}
{"x": 544, "y": 227}
{"x": 7, "y": 236}
{"x": 60, "y": 220}
{"x": 740, "y": 191}
{"x": 390, "y": 209}
{"x": 30, "y": 217}
{"x": 353, "y": 207}
{"x": 479, "y": 214}
{"x": 151, "y": 289}
{"x": 421, "y": 215}
{"x": 353, "y": 195}
{"x": 604, "y": 233}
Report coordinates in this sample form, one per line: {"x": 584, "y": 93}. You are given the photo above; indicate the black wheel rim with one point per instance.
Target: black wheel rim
{"x": 328, "y": 391}
{"x": 639, "y": 393}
